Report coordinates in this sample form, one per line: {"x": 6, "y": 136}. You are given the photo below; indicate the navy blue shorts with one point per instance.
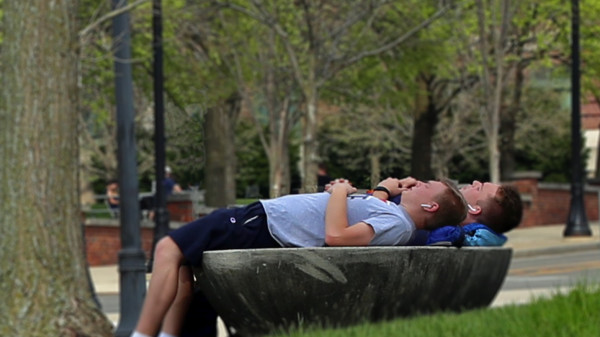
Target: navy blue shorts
{"x": 228, "y": 228}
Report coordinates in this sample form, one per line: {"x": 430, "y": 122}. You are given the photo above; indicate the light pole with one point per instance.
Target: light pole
{"x": 131, "y": 256}
{"x": 161, "y": 213}
{"x": 577, "y": 223}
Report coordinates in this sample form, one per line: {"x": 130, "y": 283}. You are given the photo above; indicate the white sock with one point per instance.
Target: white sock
{"x": 138, "y": 334}
{"x": 164, "y": 334}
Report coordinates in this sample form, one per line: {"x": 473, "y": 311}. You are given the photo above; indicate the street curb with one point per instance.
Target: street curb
{"x": 530, "y": 252}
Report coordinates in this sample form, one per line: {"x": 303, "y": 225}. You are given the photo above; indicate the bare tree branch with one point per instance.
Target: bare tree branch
{"x": 109, "y": 16}
{"x": 392, "y": 44}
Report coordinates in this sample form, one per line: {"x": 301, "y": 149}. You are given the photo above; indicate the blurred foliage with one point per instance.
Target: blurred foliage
{"x": 367, "y": 108}
{"x": 544, "y": 136}
{"x": 253, "y": 165}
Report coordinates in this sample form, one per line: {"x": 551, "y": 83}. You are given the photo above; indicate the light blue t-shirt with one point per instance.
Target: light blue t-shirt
{"x": 298, "y": 220}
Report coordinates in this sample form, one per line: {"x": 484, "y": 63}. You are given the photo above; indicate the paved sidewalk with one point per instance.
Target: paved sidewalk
{"x": 544, "y": 240}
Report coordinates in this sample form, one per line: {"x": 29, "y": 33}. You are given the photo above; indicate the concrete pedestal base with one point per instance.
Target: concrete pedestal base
{"x": 260, "y": 291}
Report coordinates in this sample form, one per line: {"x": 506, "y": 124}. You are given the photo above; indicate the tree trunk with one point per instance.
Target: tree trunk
{"x": 508, "y": 126}
{"x": 491, "y": 118}
{"x": 375, "y": 159}
{"x": 494, "y": 164}
{"x": 279, "y": 171}
{"x": 309, "y": 144}
{"x": 219, "y": 143}
{"x": 426, "y": 119}
{"x": 45, "y": 290}
{"x": 279, "y": 161}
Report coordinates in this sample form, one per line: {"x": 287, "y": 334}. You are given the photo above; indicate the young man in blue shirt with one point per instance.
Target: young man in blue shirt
{"x": 336, "y": 218}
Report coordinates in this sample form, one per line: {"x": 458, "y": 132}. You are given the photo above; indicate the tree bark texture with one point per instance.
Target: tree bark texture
{"x": 375, "y": 160}
{"x": 44, "y": 287}
{"x": 220, "y": 156}
{"x": 426, "y": 119}
{"x": 279, "y": 171}
{"x": 493, "y": 91}
{"x": 508, "y": 127}
{"x": 310, "y": 146}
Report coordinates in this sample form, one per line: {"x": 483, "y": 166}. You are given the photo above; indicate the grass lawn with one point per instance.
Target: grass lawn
{"x": 566, "y": 315}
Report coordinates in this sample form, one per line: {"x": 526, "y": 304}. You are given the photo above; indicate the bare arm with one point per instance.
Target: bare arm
{"x": 337, "y": 230}
{"x": 177, "y": 188}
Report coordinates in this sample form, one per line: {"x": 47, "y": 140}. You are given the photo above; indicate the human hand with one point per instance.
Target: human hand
{"x": 397, "y": 186}
{"x": 407, "y": 183}
{"x": 340, "y": 183}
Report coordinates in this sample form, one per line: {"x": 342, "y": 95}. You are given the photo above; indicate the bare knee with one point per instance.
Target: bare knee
{"x": 167, "y": 251}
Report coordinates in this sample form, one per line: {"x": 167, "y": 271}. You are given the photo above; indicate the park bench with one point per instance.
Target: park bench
{"x": 261, "y": 291}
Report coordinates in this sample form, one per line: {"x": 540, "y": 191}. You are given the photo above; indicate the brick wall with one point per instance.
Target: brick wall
{"x": 181, "y": 210}
{"x": 103, "y": 236}
{"x": 103, "y": 241}
{"x": 549, "y": 204}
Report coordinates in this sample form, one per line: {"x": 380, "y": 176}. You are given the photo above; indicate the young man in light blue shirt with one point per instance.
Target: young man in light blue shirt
{"x": 337, "y": 217}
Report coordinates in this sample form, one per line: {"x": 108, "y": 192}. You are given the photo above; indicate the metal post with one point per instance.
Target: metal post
{"x": 161, "y": 212}
{"x": 577, "y": 224}
{"x": 131, "y": 256}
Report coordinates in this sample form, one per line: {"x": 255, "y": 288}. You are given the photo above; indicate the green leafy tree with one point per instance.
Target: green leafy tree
{"x": 366, "y": 131}
{"x": 323, "y": 38}
{"x": 206, "y": 85}
{"x": 365, "y": 144}
{"x": 545, "y": 118}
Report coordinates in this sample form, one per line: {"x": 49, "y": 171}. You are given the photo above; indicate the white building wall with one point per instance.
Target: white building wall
{"x": 591, "y": 143}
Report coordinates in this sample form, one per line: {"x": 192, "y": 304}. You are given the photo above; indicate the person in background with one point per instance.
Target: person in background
{"x": 112, "y": 196}
{"x": 171, "y": 186}
{"x": 323, "y": 177}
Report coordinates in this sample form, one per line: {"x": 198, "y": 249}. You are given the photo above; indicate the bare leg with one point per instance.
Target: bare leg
{"x": 163, "y": 286}
{"x": 176, "y": 314}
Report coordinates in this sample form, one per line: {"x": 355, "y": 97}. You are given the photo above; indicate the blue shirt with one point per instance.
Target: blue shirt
{"x": 298, "y": 220}
{"x": 169, "y": 184}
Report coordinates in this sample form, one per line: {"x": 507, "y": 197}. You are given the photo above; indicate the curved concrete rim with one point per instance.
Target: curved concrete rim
{"x": 259, "y": 291}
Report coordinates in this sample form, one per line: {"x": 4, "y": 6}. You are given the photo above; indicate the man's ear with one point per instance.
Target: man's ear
{"x": 474, "y": 209}
{"x": 430, "y": 207}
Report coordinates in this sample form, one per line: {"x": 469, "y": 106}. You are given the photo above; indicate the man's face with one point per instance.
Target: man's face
{"x": 478, "y": 191}
{"x": 425, "y": 192}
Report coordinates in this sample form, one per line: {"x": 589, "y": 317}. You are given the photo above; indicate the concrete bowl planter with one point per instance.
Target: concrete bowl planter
{"x": 258, "y": 291}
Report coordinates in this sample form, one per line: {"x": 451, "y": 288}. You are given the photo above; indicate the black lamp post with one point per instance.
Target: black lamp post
{"x": 131, "y": 256}
{"x": 161, "y": 212}
{"x": 577, "y": 224}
